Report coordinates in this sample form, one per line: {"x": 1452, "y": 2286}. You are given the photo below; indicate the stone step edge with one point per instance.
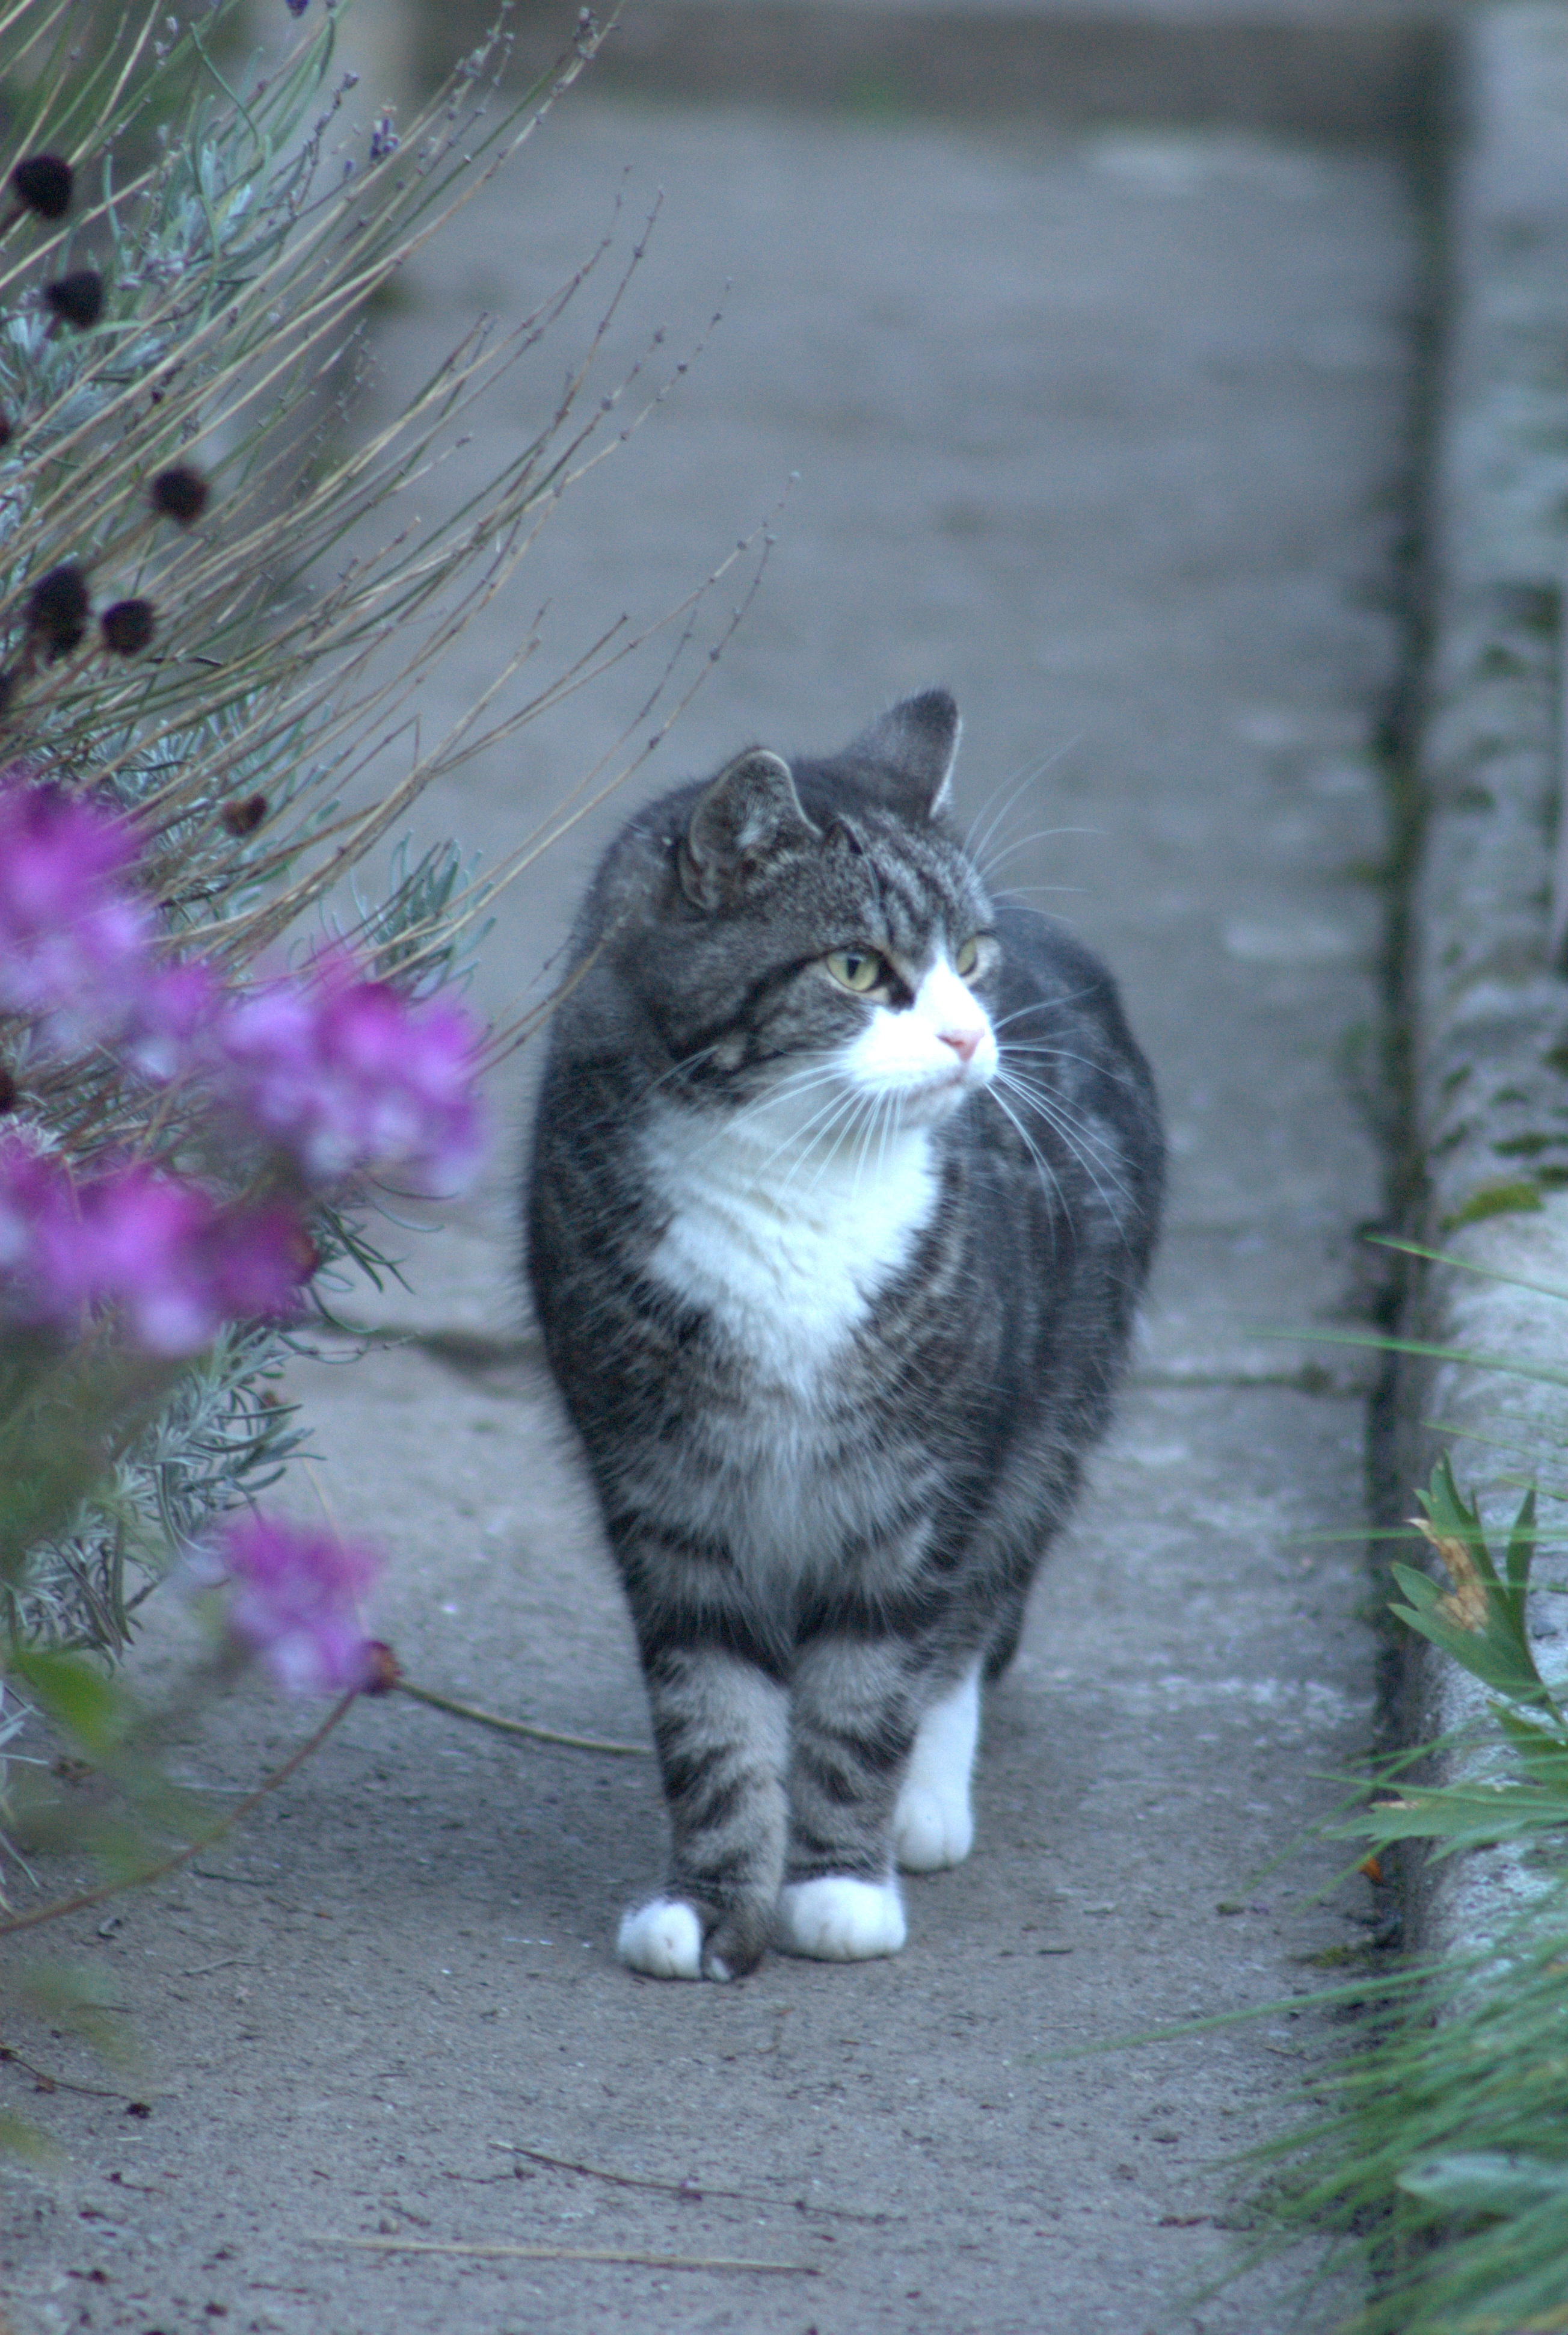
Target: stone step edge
{"x": 1368, "y": 73}
{"x": 1489, "y": 1016}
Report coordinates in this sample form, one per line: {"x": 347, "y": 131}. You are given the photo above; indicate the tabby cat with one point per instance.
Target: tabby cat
{"x": 845, "y": 1184}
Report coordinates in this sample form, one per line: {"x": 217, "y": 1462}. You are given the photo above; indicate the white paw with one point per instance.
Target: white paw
{"x": 931, "y": 1828}
{"x": 931, "y": 1824}
{"x": 836, "y": 1919}
{"x": 664, "y": 1939}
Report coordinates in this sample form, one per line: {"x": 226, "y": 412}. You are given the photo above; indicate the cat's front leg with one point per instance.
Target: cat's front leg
{"x": 852, "y": 1727}
{"x": 720, "y": 1727}
{"x": 933, "y": 1820}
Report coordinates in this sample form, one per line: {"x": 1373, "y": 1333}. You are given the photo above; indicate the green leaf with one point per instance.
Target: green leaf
{"x": 1487, "y": 2182}
{"x": 76, "y": 1999}
{"x": 1495, "y": 1199}
{"x": 77, "y": 1697}
{"x": 1498, "y": 1652}
{"x": 1495, "y": 1657}
{"x": 1542, "y": 1750}
{"x": 1462, "y": 1815}
{"x": 1521, "y": 1549}
{"x": 20, "y": 2138}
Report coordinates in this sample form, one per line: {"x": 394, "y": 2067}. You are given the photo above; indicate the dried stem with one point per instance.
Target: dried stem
{"x": 503, "y": 2253}
{"x": 57, "y": 1911}
{"x": 522, "y": 1726}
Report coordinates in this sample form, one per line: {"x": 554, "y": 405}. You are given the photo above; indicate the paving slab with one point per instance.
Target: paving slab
{"x": 1108, "y": 432}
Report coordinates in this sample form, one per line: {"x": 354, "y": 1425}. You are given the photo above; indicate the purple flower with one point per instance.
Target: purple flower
{"x": 76, "y": 947}
{"x": 257, "y": 1260}
{"x": 346, "y": 1075}
{"x": 72, "y": 946}
{"x": 168, "y": 1008}
{"x": 26, "y": 1188}
{"x": 175, "y": 1264}
{"x": 296, "y": 1603}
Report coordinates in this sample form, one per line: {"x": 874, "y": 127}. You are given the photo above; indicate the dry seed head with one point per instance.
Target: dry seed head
{"x": 180, "y": 494}
{"x": 78, "y": 298}
{"x": 42, "y": 182}
{"x": 128, "y": 626}
{"x": 245, "y": 817}
{"x": 383, "y": 1668}
{"x": 57, "y": 609}
{"x": 1469, "y": 1604}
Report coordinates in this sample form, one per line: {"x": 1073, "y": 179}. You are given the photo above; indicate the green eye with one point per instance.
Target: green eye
{"x": 966, "y": 960}
{"x": 857, "y": 969}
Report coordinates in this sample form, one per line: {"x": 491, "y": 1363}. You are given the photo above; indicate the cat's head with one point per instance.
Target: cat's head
{"x": 821, "y": 934}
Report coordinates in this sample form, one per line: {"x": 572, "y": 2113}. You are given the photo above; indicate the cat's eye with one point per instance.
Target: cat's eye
{"x": 966, "y": 960}
{"x": 857, "y": 969}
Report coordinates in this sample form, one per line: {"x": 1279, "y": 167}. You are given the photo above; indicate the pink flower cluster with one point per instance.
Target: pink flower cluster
{"x": 75, "y": 948}
{"x": 343, "y": 1075}
{"x": 175, "y": 1263}
{"x": 331, "y": 1074}
{"x": 294, "y": 1602}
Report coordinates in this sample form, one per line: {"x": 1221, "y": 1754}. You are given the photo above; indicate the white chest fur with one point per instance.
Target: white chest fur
{"x": 785, "y": 1241}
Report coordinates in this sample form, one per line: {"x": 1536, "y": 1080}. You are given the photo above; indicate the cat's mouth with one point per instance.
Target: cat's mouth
{"x": 929, "y": 1098}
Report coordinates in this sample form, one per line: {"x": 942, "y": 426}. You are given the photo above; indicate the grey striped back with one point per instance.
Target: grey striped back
{"x": 845, "y": 1185}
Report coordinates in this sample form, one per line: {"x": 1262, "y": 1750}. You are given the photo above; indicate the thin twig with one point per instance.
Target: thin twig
{"x": 693, "y": 2191}
{"x": 560, "y": 2253}
{"x": 79, "y": 1903}
{"x": 48, "y": 2083}
{"x": 522, "y": 1726}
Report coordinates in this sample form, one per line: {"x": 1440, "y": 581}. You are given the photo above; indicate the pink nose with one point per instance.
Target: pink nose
{"x": 964, "y": 1043}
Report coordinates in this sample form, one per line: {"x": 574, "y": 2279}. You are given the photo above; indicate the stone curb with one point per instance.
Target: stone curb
{"x": 1488, "y": 1014}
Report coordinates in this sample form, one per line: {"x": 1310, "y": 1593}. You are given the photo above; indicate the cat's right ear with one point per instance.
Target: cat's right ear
{"x": 746, "y": 817}
{"x": 915, "y": 746}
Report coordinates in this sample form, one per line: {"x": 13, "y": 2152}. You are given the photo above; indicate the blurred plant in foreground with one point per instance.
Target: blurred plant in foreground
{"x": 214, "y": 623}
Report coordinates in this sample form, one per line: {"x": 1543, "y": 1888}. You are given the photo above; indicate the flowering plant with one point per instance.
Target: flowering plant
{"x": 286, "y": 1092}
{"x": 207, "y": 653}
{"x": 189, "y": 1128}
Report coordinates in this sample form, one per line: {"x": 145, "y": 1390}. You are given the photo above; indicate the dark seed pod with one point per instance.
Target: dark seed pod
{"x": 180, "y": 493}
{"x": 245, "y": 818}
{"x": 383, "y": 1669}
{"x": 128, "y": 626}
{"x": 5, "y": 432}
{"x": 9, "y": 1090}
{"x": 57, "y": 609}
{"x": 42, "y": 182}
{"x": 77, "y": 299}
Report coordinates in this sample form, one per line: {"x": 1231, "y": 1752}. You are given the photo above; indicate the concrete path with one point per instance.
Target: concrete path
{"x": 1107, "y": 433}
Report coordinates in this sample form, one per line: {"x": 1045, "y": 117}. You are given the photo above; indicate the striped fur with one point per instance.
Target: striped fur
{"x": 837, "y": 1286}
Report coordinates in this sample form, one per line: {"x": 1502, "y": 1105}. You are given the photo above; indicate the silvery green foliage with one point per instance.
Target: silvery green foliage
{"x": 221, "y": 1440}
{"x": 235, "y": 267}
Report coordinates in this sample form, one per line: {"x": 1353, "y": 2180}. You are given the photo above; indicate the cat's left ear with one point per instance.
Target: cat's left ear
{"x": 744, "y": 818}
{"x": 916, "y": 744}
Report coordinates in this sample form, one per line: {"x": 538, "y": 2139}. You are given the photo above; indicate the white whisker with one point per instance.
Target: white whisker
{"x": 1089, "y": 1151}
{"x": 1008, "y": 794}
{"x": 1047, "y": 1174}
